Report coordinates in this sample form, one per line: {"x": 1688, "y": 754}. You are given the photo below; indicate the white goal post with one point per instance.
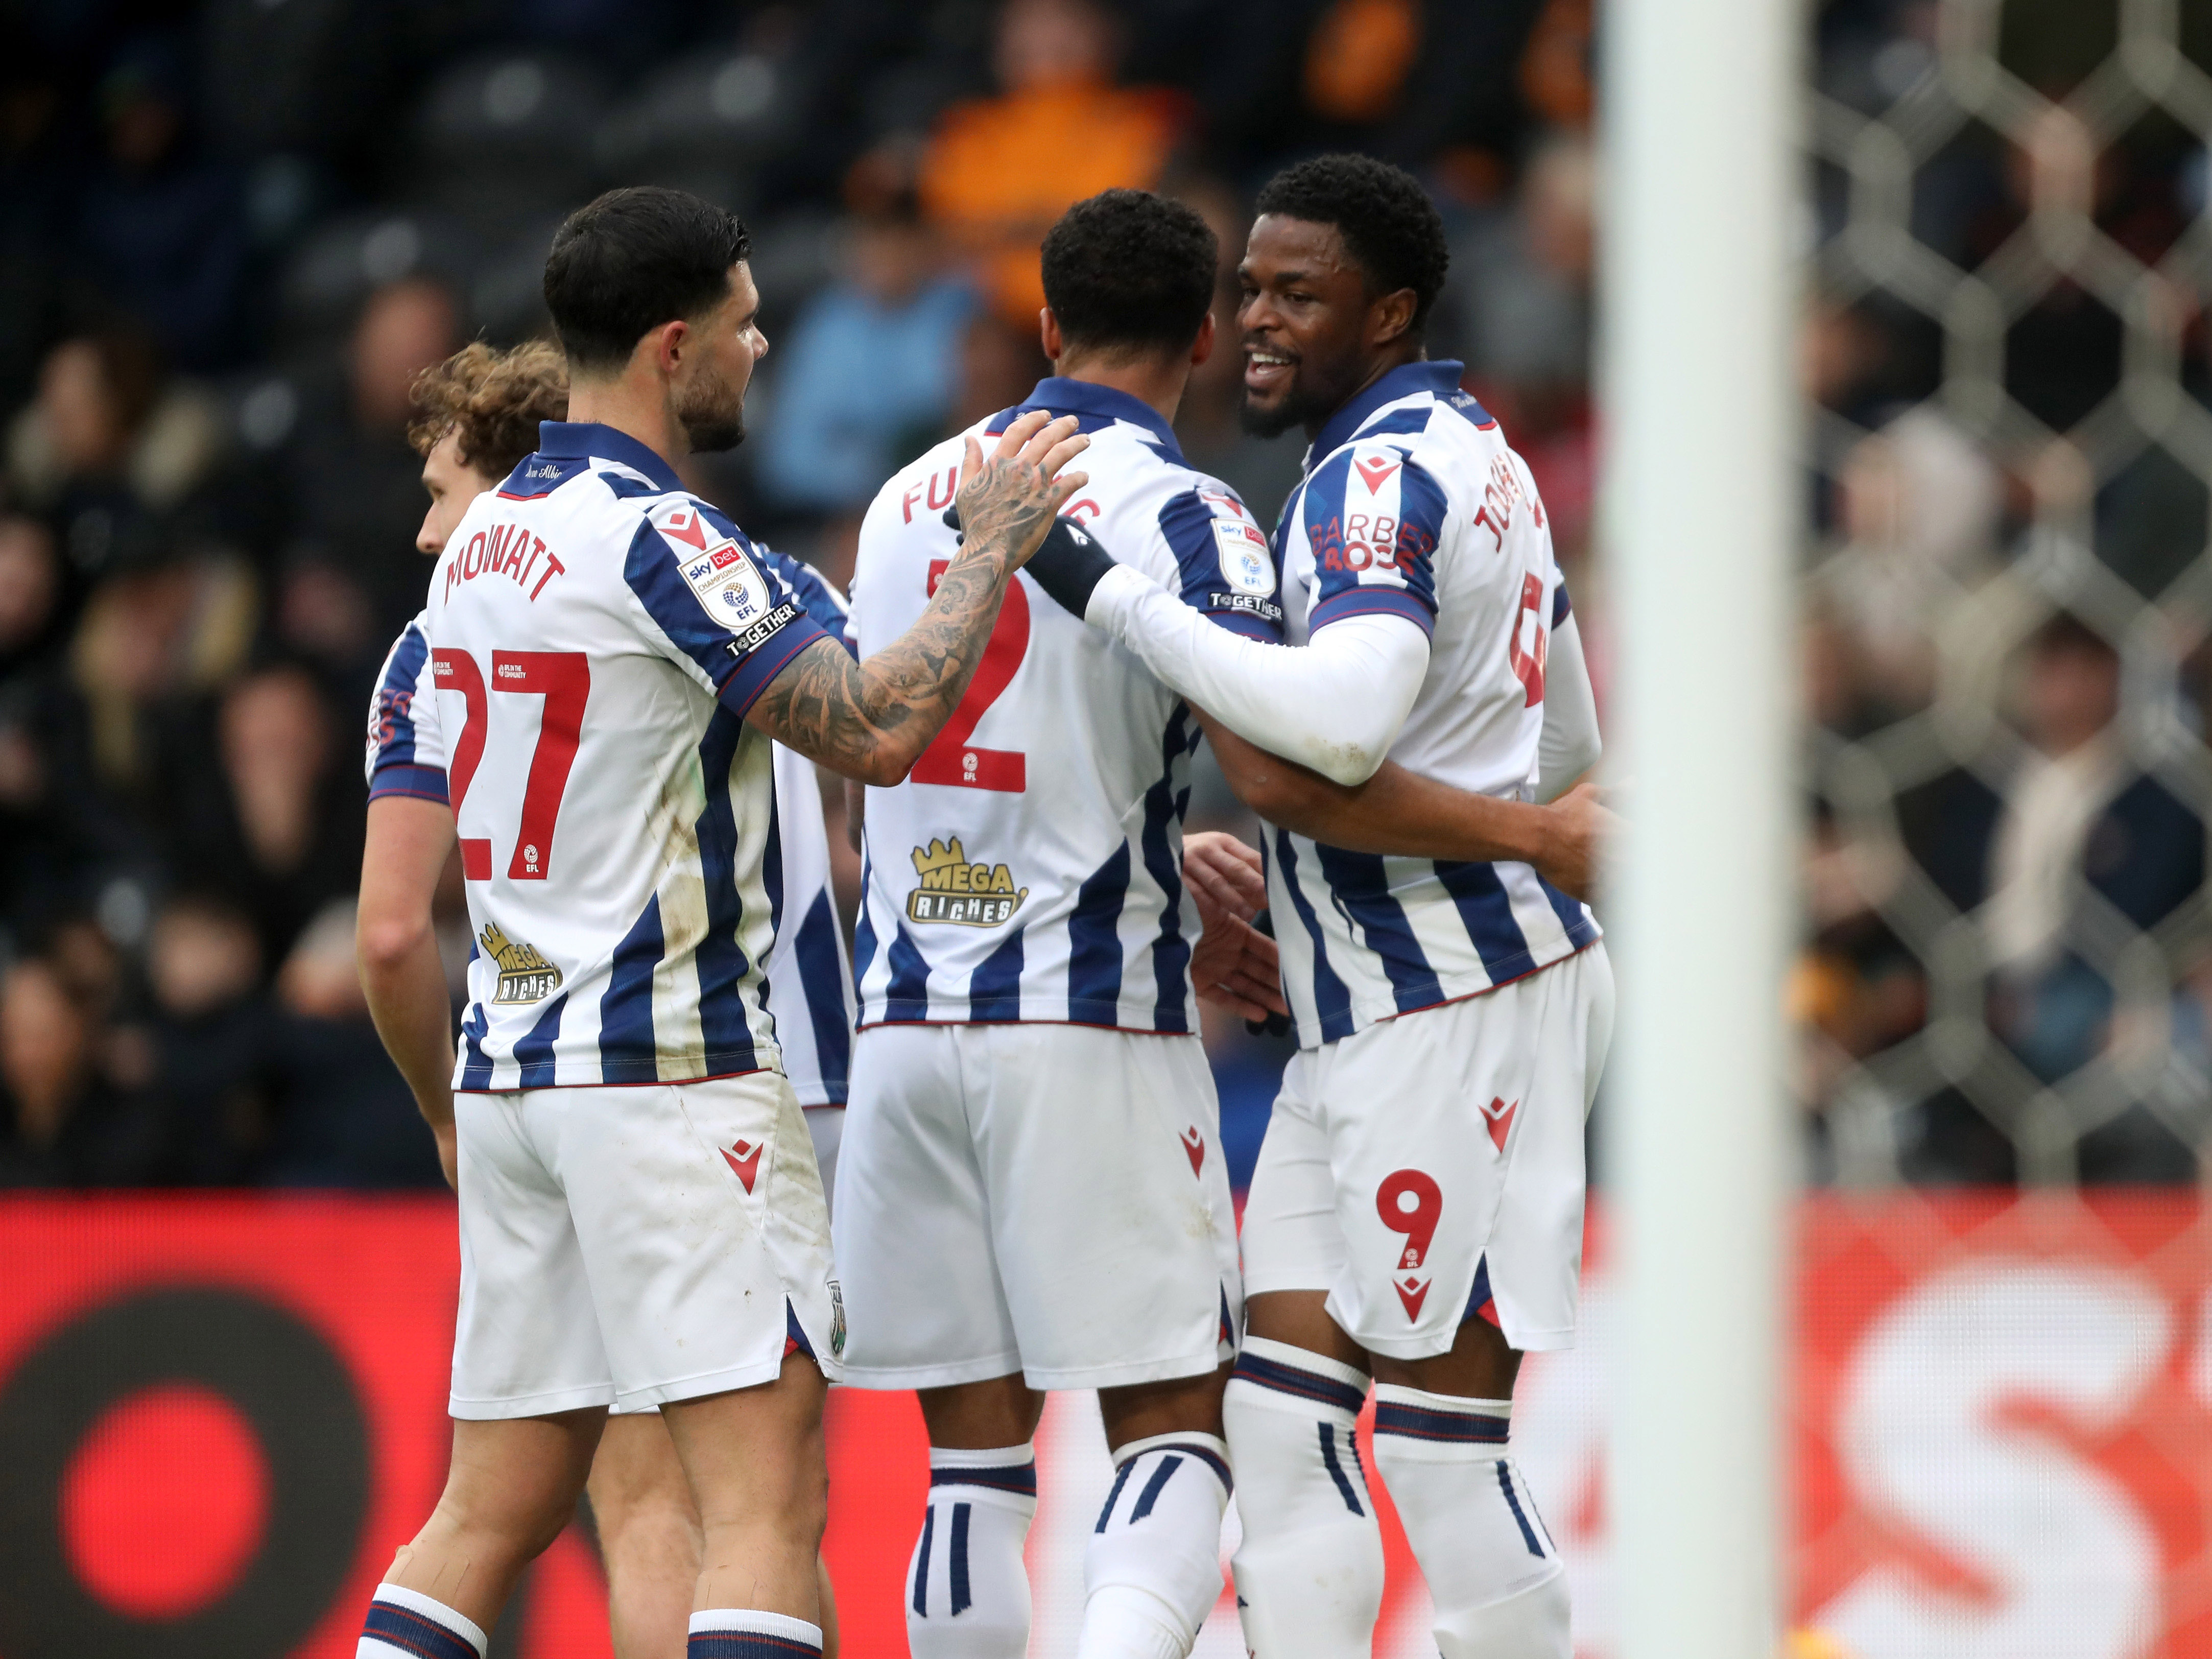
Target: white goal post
{"x": 1699, "y": 111}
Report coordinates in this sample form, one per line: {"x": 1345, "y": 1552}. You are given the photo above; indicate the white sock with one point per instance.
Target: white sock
{"x": 410, "y": 1624}
{"x": 749, "y": 1633}
{"x": 1152, "y": 1570}
{"x": 967, "y": 1589}
{"x": 1499, "y": 1588}
{"x": 1310, "y": 1571}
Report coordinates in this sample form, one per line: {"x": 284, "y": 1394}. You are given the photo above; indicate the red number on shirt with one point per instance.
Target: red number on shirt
{"x": 952, "y": 759}
{"x": 563, "y": 678}
{"x": 1410, "y": 1202}
{"x": 1528, "y": 666}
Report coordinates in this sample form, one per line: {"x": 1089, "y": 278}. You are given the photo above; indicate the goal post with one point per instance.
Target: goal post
{"x": 1698, "y": 511}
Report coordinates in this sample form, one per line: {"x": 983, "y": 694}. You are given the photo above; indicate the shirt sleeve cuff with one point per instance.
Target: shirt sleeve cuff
{"x": 1250, "y": 627}
{"x": 1373, "y": 602}
{"x": 745, "y": 683}
{"x": 417, "y": 782}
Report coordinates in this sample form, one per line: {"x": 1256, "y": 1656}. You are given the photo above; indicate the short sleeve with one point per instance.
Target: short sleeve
{"x": 1225, "y": 567}
{"x": 723, "y": 608}
{"x": 406, "y": 753}
{"x": 1372, "y": 516}
{"x": 815, "y": 591}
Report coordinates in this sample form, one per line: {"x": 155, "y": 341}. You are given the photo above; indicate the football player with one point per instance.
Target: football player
{"x": 642, "y": 1220}
{"x": 478, "y": 415}
{"x": 1032, "y": 1192}
{"x": 1416, "y": 1215}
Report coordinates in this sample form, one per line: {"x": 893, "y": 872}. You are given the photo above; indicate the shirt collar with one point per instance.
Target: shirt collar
{"x": 1441, "y": 377}
{"x": 590, "y": 437}
{"x": 1059, "y": 395}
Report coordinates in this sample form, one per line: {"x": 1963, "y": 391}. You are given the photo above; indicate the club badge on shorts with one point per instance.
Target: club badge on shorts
{"x": 836, "y": 1320}
{"x": 524, "y": 975}
{"x": 972, "y": 895}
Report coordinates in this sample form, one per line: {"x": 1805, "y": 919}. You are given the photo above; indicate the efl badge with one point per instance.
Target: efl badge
{"x": 524, "y": 975}
{"x": 1245, "y": 564}
{"x": 953, "y": 890}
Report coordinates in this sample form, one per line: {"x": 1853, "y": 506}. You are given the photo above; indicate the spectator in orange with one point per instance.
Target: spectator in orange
{"x": 999, "y": 171}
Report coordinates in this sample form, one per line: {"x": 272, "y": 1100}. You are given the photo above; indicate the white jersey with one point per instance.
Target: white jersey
{"x": 593, "y": 637}
{"x": 1030, "y": 866}
{"x": 1413, "y": 506}
{"x": 810, "y": 980}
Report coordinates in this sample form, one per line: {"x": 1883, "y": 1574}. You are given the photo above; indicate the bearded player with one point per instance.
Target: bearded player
{"x": 1416, "y": 1213}
{"x": 642, "y": 1221}
{"x": 1032, "y": 1195}
{"x": 477, "y": 417}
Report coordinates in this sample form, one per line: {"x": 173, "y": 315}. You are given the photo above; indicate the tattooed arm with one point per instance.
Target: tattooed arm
{"x": 871, "y": 721}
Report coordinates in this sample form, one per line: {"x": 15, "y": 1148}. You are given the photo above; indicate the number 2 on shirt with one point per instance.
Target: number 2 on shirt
{"x": 952, "y": 759}
{"x": 563, "y": 678}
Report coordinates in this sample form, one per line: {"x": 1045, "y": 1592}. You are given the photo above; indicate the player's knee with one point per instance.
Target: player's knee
{"x": 1532, "y": 1622}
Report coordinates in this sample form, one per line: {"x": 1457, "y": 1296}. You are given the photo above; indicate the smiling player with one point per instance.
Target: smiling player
{"x": 1417, "y": 1209}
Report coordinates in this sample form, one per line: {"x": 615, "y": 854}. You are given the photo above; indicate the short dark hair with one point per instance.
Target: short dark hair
{"x": 632, "y": 260}
{"x": 1127, "y": 270}
{"x": 1389, "y": 225}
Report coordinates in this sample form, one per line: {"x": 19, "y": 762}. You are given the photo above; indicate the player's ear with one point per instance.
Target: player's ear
{"x": 664, "y": 346}
{"x": 1391, "y": 316}
{"x": 1048, "y": 333}
{"x": 1202, "y": 347}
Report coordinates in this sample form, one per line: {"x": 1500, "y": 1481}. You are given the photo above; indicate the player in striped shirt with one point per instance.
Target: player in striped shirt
{"x": 1416, "y": 1213}
{"x": 642, "y": 1220}
{"x": 479, "y": 415}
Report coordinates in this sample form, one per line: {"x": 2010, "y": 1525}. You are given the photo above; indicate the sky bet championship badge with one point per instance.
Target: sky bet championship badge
{"x": 524, "y": 975}
{"x": 953, "y": 890}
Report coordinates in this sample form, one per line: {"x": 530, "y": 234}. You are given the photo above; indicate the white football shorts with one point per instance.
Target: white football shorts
{"x": 1428, "y": 1170}
{"x": 1050, "y": 1199}
{"x": 632, "y": 1246}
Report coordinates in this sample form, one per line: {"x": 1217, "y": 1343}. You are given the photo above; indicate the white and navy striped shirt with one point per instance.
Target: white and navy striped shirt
{"x": 810, "y": 981}
{"x": 1031, "y": 865}
{"x": 593, "y": 637}
{"x": 1413, "y": 506}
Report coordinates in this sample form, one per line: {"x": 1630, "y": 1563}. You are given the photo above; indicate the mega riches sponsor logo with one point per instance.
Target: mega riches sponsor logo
{"x": 524, "y": 975}
{"x": 954, "y": 889}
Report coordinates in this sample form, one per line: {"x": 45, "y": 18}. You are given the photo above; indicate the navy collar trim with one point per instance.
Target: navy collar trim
{"x": 1441, "y": 377}
{"x": 1062, "y": 395}
{"x": 589, "y": 438}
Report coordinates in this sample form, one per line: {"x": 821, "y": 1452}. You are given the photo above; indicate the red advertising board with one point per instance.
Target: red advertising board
{"x": 220, "y": 1416}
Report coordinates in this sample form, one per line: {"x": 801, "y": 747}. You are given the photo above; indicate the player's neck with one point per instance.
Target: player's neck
{"x": 1396, "y": 356}
{"x": 635, "y": 409}
{"x": 1151, "y": 380}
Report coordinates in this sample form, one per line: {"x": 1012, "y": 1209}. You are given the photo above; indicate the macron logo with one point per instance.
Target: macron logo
{"x": 1376, "y": 472}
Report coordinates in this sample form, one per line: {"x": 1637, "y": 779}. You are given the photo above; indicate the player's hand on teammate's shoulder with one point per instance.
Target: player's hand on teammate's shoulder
{"x": 1225, "y": 876}
{"x": 1007, "y": 502}
{"x": 1582, "y": 828}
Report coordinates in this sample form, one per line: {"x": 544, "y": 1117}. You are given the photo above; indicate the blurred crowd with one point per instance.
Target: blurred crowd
{"x": 232, "y": 231}
{"x": 2007, "y": 683}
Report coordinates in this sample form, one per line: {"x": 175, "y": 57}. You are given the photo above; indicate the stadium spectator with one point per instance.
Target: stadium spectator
{"x": 999, "y": 171}
{"x": 213, "y": 1039}
{"x": 342, "y": 1116}
{"x": 869, "y": 369}
{"x": 110, "y": 449}
{"x": 163, "y": 228}
{"x": 351, "y": 574}
{"x": 67, "y": 1125}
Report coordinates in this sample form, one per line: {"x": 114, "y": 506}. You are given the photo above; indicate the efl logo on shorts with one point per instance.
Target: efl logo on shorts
{"x": 953, "y": 890}
{"x": 524, "y": 975}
